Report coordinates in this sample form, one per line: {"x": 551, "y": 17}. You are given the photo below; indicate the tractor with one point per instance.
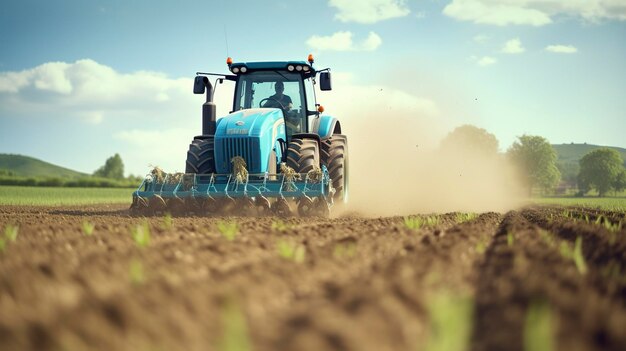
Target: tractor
{"x": 274, "y": 150}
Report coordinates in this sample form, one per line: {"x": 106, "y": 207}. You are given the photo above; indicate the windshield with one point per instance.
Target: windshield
{"x": 274, "y": 89}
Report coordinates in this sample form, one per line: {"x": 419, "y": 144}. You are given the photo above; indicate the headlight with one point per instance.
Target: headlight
{"x": 244, "y": 69}
{"x": 236, "y": 70}
{"x": 306, "y": 68}
{"x": 298, "y": 68}
{"x": 290, "y": 68}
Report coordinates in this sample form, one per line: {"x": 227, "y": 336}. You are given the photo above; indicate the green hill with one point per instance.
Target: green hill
{"x": 572, "y": 153}
{"x": 31, "y": 167}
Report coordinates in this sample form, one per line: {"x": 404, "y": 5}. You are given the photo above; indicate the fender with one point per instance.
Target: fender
{"x": 326, "y": 126}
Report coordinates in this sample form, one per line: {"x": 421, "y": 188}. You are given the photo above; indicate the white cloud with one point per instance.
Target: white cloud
{"x": 342, "y": 41}
{"x": 513, "y": 46}
{"x": 92, "y": 91}
{"x": 486, "y": 61}
{"x": 369, "y": 11}
{"x": 533, "y": 12}
{"x": 562, "y": 49}
{"x": 94, "y": 98}
{"x": 500, "y": 14}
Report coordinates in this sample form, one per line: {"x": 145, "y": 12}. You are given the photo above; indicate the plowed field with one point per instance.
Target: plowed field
{"x": 545, "y": 276}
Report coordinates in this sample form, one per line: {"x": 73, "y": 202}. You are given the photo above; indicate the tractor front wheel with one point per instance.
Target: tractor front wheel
{"x": 303, "y": 155}
{"x": 200, "y": 157}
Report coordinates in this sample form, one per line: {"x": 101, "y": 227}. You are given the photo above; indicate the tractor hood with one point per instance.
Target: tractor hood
{"x": 253, "y": 122}
{"x": 251, "y": 134}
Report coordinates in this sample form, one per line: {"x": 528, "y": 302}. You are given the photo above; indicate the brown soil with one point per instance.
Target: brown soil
{"x": 362, "y": 284}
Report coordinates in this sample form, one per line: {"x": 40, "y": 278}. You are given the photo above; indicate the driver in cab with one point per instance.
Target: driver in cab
{"x": 279, "y": 99}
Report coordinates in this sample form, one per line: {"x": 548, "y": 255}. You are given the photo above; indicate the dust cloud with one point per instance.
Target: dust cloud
{"x": 398, "y": 168}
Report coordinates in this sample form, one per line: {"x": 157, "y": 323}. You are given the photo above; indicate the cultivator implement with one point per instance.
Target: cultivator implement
{"x": 232, "y": 194}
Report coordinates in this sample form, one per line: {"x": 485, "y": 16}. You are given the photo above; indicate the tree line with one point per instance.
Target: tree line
{"x": 535, "y": 159}
{"x": 110, "y": 175}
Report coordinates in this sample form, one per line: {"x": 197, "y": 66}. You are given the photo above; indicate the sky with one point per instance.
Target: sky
{"x": 83, "y": 80}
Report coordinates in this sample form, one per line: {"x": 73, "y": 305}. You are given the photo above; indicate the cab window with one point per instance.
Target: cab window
{"x": 273, "y": 89}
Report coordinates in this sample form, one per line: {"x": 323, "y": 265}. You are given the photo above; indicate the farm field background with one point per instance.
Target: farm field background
{"x": 91, "y": 277}
{"x": 59, "y": 196}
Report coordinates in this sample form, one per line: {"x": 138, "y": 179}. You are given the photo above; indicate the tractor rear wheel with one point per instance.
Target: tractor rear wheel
{"x": 303, "y": 155}
{"x": 200, "y": 157}
{"x": 334, "y": 155}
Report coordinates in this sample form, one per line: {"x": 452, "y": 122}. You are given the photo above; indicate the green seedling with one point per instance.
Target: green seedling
{"x": 280, "y": 226}
{"x": 141, "y": 234}
{"x": 291, "y": 251}
{"x": 599, "y": 219}
{"x": 481, "y": 247}
{"x": 547, "y": 237}
{"x": 229, "y": 230}
{"x": 344, "y": 250}
{"x": 575, "y": 254}
{"x": 579, "y": 259}
{"x": 167, "y": 221}
{"x": 510, "y": 239}
{"x": 567, "y": 214}
{"x": 450, "y": 322}
{"x": 538, "y": 335}
{"x": 88, "y": 228}
{"x": 413, "y": 223}
{"x": 136, "y": 272}
{"x": 10, "y": 232}
{"x": 612, "y": 227}
{"x": 417, "y": 222}
{"x": 465, "y": 217}
{"x": 235, "y": 336}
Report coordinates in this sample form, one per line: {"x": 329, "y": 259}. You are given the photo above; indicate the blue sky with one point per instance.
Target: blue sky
{"x": 82, "y": 80}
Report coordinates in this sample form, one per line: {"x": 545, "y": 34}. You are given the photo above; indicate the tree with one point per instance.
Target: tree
{"x": 113, "y": 168}
{"x": 620, "y": 182}
{"x": 600, "y": 169}
{"x": 535, "y": 159}
{"x": 468, "y": 139}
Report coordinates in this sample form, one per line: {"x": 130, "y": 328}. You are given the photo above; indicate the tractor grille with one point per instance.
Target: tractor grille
{"x": 248, "y": 148}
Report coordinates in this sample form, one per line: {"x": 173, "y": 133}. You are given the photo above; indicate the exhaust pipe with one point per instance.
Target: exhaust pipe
{"x": 201, "y": 84}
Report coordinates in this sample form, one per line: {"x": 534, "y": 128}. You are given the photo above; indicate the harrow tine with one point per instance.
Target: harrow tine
{"x": 262, "y": 205}
{"x": 157, "y": 204}
{"x": 281, "y": 208}
{"x": 139, "y": 206}
{"x": 305, "y": 207}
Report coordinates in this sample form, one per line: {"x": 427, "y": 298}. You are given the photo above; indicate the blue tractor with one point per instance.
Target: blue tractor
{"x": 273, "y": 152}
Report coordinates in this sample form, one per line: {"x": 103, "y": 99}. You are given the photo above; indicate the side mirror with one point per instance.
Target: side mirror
{"x": 325, "y": 81}
{"x": 199, "y": 84}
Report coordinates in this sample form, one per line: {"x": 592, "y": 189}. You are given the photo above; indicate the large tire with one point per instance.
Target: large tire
{"x": 303, "y": 155}
{"x": 200, "y": 157}
{"x": 334, "y": 156}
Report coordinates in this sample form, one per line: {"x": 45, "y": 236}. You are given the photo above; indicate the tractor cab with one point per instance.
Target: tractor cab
{"x": 285, "y": 85}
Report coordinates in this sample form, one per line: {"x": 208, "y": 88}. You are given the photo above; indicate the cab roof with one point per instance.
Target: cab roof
{"x": 270, "y": 65}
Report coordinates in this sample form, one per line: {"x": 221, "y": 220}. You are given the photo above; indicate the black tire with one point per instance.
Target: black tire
{"x": 303, "y": 155}
{"x": 334, "y": 155}
{"x": 200, "y": 157}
